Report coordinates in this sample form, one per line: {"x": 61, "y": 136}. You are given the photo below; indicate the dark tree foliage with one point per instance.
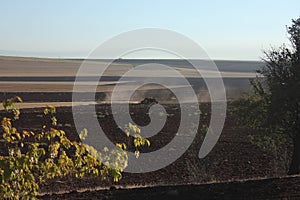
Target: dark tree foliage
{"x": 274, "y": 106}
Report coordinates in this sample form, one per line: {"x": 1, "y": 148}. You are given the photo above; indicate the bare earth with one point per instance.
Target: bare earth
{"x": 27, "y": 75}
{"x": 41, "y": 82}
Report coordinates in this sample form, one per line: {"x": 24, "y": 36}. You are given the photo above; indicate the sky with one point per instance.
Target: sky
{"x": 228, "y": 30}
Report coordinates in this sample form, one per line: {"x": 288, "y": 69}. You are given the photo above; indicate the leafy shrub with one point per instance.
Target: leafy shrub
{"x": 274, "y": 106}
{"x": 31, "y": 158}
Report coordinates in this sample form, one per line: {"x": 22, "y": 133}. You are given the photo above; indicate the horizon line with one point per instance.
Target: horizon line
{"x": 120, "y": 59}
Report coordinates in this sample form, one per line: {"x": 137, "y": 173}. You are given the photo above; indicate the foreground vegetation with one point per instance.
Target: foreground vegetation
{"x": 31, "y": 158}
{"x": 273, "y": 108}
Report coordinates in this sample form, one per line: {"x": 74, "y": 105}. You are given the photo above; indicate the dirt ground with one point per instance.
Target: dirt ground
{"x": 273, "y": 188}
{"x": 233, "y": 158}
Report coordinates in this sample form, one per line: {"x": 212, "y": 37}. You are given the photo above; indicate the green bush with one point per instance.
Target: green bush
{"x": 31, "y": 158}
{"x": 273, "y": 108}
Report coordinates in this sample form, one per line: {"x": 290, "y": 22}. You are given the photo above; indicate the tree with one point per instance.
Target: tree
{"x": 273, "y": 108}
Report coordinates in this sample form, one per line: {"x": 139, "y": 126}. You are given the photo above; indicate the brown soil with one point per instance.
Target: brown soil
{"x": 233, "y": 158}
{"x": 273, "y": 188}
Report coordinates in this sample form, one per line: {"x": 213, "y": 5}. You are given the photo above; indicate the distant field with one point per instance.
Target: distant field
{"x": 26, "y": 75}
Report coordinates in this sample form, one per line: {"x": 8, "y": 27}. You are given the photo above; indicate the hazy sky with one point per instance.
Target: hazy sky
{"x": 228, "y": 29}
